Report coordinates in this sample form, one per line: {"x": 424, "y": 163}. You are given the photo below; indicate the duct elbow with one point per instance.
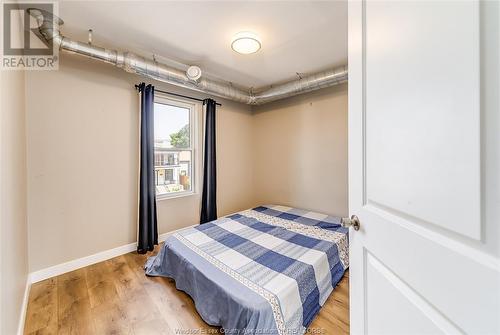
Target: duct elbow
{"x": 252, "y": 99}
{"x": 48, "y": 25}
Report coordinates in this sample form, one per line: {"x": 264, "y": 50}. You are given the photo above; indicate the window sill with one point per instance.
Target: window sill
{"x": 162, "y": 197}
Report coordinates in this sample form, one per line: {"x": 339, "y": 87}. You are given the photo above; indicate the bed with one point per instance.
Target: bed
{"x": 266, "y": 270}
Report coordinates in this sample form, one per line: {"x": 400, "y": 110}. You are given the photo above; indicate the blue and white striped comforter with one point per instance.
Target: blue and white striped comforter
{"x": 261, "y": 271}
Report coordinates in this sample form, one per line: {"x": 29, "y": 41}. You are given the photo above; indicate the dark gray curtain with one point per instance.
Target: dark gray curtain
{"x": 148, "y": 230}
{"x": 209, "y": 196}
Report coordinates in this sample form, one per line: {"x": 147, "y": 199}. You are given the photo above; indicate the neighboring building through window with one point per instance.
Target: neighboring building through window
{"x": 174, "y": 147}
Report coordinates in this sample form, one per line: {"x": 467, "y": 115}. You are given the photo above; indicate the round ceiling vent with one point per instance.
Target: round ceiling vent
{"x": 193, "y": 73}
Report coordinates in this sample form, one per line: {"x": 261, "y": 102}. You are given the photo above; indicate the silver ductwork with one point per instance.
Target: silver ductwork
{"x": 49, "y": 29}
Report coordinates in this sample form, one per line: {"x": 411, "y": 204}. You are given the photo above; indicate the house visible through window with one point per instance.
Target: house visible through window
{"x": 174, "y": 147}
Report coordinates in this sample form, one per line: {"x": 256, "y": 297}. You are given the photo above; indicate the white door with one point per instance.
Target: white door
{"x": 424, "y": 166}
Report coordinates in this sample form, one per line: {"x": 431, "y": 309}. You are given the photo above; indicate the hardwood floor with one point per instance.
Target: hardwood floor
{"x": 115, "y": 297}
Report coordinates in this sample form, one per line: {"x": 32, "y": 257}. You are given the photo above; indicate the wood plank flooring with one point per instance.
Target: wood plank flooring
{"x": 115, "y": 297}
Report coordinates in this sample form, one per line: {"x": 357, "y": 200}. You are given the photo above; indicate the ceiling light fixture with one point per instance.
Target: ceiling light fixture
{"x": 245, "y": 43}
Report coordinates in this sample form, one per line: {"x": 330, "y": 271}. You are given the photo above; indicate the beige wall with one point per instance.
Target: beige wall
{"x": 301, "y": 151}
{"x": 13, "y": 234}
{"x": 82, "y": 124}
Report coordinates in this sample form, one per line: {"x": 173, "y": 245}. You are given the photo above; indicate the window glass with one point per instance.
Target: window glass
{"x": 173, "y": 148}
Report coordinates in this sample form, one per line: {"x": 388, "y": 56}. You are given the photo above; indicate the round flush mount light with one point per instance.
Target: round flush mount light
{"x": 245, "y": 43}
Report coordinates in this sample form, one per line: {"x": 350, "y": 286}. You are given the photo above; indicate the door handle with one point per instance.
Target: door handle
{"x": 352, "y": 222}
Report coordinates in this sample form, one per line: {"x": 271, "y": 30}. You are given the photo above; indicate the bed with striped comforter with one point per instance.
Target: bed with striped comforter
{"x": 267, "y": 270}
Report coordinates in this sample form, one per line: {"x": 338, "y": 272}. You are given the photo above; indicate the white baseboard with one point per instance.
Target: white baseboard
{"x": 75, "y": 264}
{"x": 79, "y": 263}
{"x": 24, "y": 306}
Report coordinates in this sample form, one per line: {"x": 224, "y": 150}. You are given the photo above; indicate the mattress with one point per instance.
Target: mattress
{"x": 266, "y": 270}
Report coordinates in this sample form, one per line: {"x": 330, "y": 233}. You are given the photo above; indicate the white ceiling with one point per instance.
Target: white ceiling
{"x": 297, "y": 36}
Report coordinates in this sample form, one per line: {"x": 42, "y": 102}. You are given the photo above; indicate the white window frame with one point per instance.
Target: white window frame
{"x": 194, "y": 137}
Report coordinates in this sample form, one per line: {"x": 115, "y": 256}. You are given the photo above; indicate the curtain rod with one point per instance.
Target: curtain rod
{"x": 178, "y": 95}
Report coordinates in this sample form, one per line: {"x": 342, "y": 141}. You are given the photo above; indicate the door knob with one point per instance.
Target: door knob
{"x": 352, "y": 222}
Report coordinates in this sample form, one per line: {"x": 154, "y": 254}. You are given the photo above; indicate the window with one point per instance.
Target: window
{"x": 174, "y": 147}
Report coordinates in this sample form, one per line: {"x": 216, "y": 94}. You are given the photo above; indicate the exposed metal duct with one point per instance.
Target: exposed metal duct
{"x": 49, "y": 29}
